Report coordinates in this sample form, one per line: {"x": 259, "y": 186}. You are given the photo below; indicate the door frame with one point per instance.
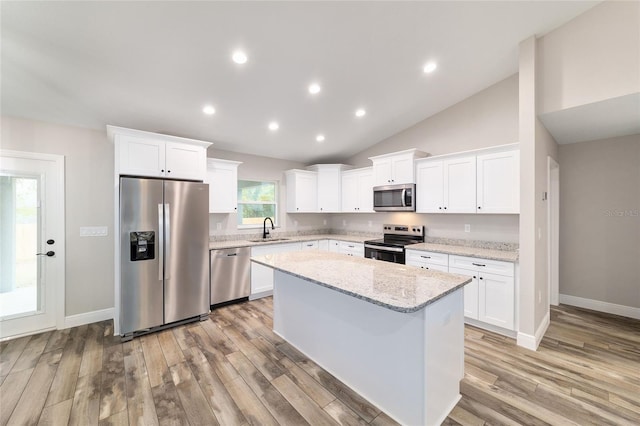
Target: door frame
{"x": 57, "y": 273}
{"x": 553, "y": 231}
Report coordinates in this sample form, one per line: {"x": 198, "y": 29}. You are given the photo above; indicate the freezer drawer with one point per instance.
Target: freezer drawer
{"x": 230, "y": 274}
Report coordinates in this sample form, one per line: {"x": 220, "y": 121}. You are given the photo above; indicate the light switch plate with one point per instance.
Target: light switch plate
{"x": 467, "y": 228}
{"x": 93, "y": 231}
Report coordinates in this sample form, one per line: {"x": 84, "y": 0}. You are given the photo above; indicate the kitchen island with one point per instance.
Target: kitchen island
{"x": 393, "y": 333}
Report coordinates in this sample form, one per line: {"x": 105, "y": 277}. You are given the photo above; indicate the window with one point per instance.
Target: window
{"x": 256, "y": 200}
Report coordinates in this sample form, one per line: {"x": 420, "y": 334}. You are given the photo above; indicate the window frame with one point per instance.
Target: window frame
{"x": 276, "y": 185}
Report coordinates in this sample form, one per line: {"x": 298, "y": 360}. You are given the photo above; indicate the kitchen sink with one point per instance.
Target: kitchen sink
{"x": 268, "y": 240}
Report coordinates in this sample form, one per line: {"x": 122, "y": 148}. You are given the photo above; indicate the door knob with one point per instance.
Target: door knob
{"x": 50, "y": 242}
{"x": 49, "y": 253}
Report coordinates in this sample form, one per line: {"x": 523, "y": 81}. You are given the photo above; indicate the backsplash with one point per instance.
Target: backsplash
{"x": 257, "y": 234}
{"x": 493, "y": 245}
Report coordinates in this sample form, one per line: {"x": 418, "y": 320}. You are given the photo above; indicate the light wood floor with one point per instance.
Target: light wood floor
{"x": 232, "y": 370}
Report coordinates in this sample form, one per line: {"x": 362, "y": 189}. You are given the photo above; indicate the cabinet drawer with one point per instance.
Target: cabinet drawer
{"x": 482, "y": 265}
{"x": 310, "y": 245}
{"x": 419, "y": 257}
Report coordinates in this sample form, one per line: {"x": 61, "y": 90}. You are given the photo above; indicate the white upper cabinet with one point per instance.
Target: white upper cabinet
{"x": 357, "y": 190}
{"x": 140, "y": 153}
{"x": 498, "y": 185}
{"x": 487, "y": 181}
{"x": 446, "y": 186}
{"x": 329, "y": 187}
{"x": 460, "y": 185}
{"x": 302, "y": 191}
{"x": 222, "y": 177}
{"x": 395, "y": 168}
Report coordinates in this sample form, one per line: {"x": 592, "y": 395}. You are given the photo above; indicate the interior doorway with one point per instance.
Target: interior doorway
{"x": 553, "y": 227}
{"x": 31, "y": 243}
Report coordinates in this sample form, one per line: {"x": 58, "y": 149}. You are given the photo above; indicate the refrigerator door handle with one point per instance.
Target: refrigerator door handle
{"x": 167, "y": 236}
{"x": 160, "y": 240}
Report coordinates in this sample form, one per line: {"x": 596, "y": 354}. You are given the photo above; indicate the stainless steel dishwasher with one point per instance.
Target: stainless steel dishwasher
{"x": 230, "y": 274}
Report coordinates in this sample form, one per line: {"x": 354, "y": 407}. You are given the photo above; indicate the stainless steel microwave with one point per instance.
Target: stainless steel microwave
{"x": 395, "y": 198}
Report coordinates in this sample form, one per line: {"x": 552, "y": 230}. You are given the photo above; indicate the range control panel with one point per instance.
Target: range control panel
{"x": 417, "y": 230}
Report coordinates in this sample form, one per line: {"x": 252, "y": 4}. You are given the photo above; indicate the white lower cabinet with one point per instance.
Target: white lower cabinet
{"x": 351, "y": 249}
{"x": 428, "y": 260}
{"x": 323, "y": 245}
{"x": 334, "y": 246}
{"x": 490, "y": 298}
{"x": 262, "y": 276}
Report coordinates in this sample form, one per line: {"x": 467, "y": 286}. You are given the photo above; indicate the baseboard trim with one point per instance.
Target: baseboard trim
{"x": 597, "y": 305}
{"x": 88, "y": 317}
{"x": 530, "y": 342}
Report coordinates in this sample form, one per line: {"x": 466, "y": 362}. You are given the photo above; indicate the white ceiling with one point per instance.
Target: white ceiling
{"x": 154, "y": 65}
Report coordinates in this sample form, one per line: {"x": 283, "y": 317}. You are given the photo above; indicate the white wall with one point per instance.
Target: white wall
{"x": 488, "y": 118}
{"x": 600, "y": 220}
{"x": 595, "y": 56}
{"x": 89, "y": 202}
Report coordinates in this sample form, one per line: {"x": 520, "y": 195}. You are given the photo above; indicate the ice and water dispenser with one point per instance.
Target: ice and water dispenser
{"x": 142, "y": 245}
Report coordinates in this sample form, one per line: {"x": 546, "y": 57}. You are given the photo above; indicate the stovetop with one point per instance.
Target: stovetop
{"x": 399, "y": 236}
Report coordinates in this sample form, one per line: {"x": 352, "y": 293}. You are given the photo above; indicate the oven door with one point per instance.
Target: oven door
{"x": 388, "y": 254}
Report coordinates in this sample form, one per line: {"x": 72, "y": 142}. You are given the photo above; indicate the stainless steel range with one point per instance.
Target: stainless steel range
{"x": 391, "y": 247}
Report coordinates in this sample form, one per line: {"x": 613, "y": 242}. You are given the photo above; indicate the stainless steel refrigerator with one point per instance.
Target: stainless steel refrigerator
{"x": 164, "y": 253}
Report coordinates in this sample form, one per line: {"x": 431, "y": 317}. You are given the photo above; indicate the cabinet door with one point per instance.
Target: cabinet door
{"x": 223, "y": 187}
{"x": 429, "y": 187}
{"x": 470, "y": 293}
{"x": 141, "y": 157}
{"x": 323, "y": 245}
{"x": 498, "y": 182}
{"x": 334, "y": 246}
{"x": 365, "y": 191}
{"x": 329, "y": 193}
{"x": 460, "y": 185}
{"x": 352, "y": 249}
{"x": 382, "y": 172}
{"x": 302, "y": 191}
{"x": 402, "y": 169}
{"x": 496, "y": 300}
{"x": 185, "y": 161}
{"x": 349, "y": 192}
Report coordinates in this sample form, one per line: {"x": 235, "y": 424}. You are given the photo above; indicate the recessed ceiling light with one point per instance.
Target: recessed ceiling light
{"x": 360, "y": 112}
{"x": 430, "y": 67}
{"x": 320, "y": 138}
{"x": 209, "y": 110}
{"x": 314, "y": 88}
{"x": 273, "y": 126}
{"x": 239, "y": 57}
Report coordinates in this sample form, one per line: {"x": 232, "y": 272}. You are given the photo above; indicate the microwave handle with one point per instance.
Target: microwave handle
{"x": 404, "y": 198}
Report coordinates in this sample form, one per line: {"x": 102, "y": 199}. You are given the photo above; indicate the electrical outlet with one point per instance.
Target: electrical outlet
{"x": 218, "y": 226}
{"x": 344, "y": 222}
{"x": 467, "y": 228}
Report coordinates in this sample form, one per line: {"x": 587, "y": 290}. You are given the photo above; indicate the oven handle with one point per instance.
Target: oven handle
{"x": 382, "y": 248}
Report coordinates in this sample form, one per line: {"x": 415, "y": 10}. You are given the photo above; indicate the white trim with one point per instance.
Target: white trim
{"x": 600, "y": 306}
{"x": 528, "y": 341}
{"x": 494, "y": 328}
{"x": 553, "y": 231}
{"x": 30, "y": 333}
{"x": 261, "y": 294}
{"x": 88, "y": 317}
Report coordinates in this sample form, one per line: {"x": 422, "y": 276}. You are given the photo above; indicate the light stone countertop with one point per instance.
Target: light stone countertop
{"x": 217, "y": 245}
{"x": 391, "y": 285}
{"x": 483, "y": 253}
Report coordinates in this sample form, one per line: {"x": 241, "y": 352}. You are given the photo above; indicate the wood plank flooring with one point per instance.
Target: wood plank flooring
{"x": 233, "y": 370}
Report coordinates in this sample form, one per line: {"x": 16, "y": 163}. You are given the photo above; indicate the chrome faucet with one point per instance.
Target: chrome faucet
{"x": 265, "y": 231}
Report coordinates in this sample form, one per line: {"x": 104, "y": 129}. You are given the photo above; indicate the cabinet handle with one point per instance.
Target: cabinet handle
{"x": 426, "y": 257}
{"x": 481, "y": 278}
{"x": 478, "y": 264}
{"x": 474, "y": 277}
{"x": 162, "y": 170}
{"x": 440, "y": 208}
{"x": 479, "y": 207}
{"x": 168, "y": 171}
{"x": 445, "y": 208}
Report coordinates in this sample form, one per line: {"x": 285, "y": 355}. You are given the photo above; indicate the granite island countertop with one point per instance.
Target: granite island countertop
{"x": 479, "y": 252}
{"x": 391, "y": 285}
{"x": 216, "y": 245}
